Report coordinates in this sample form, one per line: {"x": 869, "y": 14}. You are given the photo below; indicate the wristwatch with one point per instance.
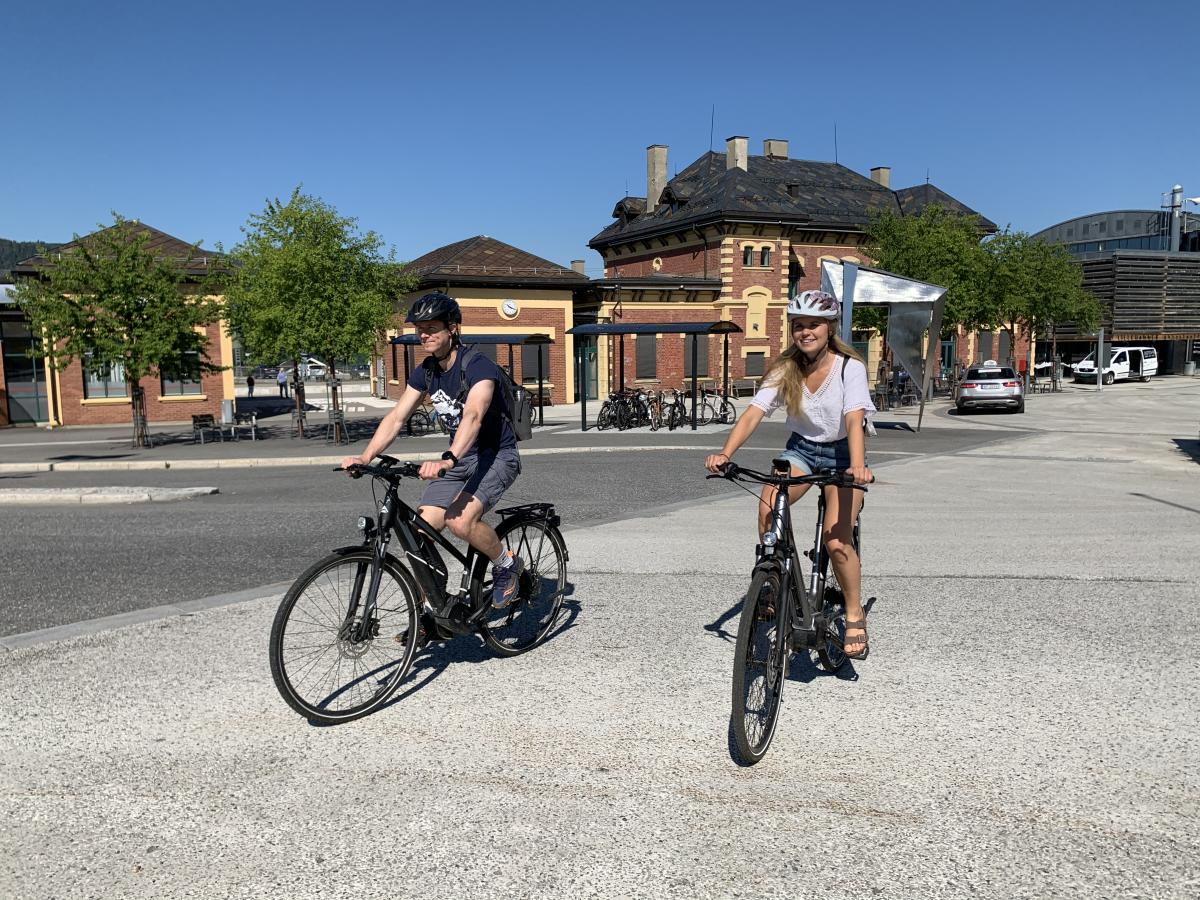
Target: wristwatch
{"x": 450, "y": 456}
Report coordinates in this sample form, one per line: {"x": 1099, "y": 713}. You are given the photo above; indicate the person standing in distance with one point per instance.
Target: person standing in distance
{"x": 821, "y": 383}
{"x": 482, "y": 461}
{"x": 282, "y": 379}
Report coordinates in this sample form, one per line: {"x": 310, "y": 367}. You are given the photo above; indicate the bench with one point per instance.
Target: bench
{"x": 545, "y": 398}
{"x": 744, "y": 387}
{"x": 205, "y": 423}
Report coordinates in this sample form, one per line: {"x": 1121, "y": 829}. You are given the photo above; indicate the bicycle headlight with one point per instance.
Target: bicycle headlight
{"x": 365, "y": 524}
{"x": 769, "y": 539}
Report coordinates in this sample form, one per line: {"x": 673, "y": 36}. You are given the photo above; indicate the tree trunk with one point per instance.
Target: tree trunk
{"x": 335, "y": 402}
{"x": 298, "y": 396}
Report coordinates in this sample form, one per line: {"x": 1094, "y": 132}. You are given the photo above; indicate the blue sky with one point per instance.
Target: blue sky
{"x": 434, "y": 122}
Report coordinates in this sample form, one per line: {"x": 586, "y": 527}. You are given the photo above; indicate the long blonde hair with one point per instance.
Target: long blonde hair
{"x": 790, "y": 368}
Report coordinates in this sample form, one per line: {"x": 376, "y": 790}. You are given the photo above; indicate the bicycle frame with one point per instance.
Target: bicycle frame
{"x": 805, "y": 602}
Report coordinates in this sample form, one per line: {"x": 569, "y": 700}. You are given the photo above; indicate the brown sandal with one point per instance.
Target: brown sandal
{"x": 858, "y": 625}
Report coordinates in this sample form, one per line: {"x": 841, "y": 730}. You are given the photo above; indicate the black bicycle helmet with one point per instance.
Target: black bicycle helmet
{"x": 437, "y": 305}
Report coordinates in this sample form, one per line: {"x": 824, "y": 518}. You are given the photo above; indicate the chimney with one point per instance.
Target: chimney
{"x": 882, "y": 176}
{"x": 656, "y": 175}
{"x": 735, "y": 152}
{"x": 577, "y": 266}
{"x": 1176, "y": 217}
{"x": 775, "y": 148}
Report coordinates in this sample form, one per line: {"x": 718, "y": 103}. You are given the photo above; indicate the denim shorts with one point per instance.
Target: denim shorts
{"x": 809, "y": 456}
{"x": 485, "y": 476}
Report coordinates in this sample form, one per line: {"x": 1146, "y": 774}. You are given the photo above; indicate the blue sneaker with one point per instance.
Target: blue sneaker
{"x": 506, "y": 582}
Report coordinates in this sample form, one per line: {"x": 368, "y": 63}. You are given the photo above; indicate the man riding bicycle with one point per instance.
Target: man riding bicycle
{"x": 482, "y": 461}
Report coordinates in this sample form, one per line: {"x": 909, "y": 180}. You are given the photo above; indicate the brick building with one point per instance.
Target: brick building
{"x": 731, "y": 237}
{"x": 31, "y": 392}
{"x": 502, "y": 290}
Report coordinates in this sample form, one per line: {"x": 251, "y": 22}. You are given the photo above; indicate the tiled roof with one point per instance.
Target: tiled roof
{"x": 162, "y": 245}
{"x": 801, "y": 192}
{"x": 914, "y": 200}
{"x": 482, "y": 257}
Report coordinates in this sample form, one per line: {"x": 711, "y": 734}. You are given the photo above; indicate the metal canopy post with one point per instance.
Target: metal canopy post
{"x": 511, "y": 370}
{"x": 621, "y": 364}
{"x": 695, "y": 359}
{"x": 541, "y": 392}
{"x": 582, "y": 345}
{"x": 725, "y": 365}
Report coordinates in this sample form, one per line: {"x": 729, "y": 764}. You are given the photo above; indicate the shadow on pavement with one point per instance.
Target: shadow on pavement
{"x": 1190, "y": 447}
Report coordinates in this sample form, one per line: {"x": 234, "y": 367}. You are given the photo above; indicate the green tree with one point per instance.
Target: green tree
{"x": 1034, "y": 285}
{"x": 937, "y": 246}
{"x": 305, "y": 280}
{"x": 107, "y": 300}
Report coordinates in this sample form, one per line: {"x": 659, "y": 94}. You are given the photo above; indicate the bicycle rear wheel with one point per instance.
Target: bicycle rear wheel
{"x": 759, "y": 667}
{"x": 328, "y": 665}
{"x": 604, "y": 418}
{"x": 705, "y": 413}
{"x": 727, "y": 414}
{"x": 528, "y": 621}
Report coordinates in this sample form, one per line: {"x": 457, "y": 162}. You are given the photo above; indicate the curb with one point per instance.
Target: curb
{"x": 91, "y": 495}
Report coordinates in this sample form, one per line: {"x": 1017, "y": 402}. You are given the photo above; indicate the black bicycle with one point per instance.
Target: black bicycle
{"x": 782, "y": 614}
{"x": 346, "y": 632}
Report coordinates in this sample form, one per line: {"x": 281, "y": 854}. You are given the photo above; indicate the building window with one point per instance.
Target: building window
{"x": 755, "y": 364}
{"x": 103, "y": 380}
{"x": 183, "y": 379}
{"x": 764, "y": 257}
{"x": 647, "y": 356}
{"x": 529, "y": 362}
{"x": 747, "y": 257}
{"x": 985, "y": 345}
{"x": 701, "y": 342}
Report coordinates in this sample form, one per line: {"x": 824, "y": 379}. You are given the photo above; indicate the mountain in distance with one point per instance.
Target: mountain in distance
{"x": 12, "y": 252}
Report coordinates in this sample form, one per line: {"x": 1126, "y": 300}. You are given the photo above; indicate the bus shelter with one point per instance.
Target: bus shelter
{"x": 914, "y": 310}
{"x": 619, "y": 330}
{"x": 408, "y": 341}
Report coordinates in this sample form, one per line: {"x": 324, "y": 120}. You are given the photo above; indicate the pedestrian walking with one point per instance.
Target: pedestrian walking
{"x": 249, "y": 385}
{"x": 282, "y": 379}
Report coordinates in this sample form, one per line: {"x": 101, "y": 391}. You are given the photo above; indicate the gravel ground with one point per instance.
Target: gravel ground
{"x": 1024, "y": 727}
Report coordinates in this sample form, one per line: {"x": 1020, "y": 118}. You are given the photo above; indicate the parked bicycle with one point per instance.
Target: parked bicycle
{"x": 346, "y": 632}
{"x": 782, "y": 614}
{"x": 715, "y": 408}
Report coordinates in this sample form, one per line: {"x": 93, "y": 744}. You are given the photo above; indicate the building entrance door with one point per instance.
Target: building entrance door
{"x": 24, "y": 374}
{"x": 587, "y": 350}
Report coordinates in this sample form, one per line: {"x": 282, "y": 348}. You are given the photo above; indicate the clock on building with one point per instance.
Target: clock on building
{"x": 509, "y": 308}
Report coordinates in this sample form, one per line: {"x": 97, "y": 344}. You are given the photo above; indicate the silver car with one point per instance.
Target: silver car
{"x": 990, "y": 386}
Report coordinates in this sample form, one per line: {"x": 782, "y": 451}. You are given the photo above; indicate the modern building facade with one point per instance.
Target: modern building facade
{"x": 732, "y": 237}
{"x": 1144, "y": 266}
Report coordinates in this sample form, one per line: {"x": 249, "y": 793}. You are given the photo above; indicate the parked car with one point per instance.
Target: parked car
{"x": 1123, "y": 363}
{"x": 361, "y": 371}
{"x": 990, "y": 386}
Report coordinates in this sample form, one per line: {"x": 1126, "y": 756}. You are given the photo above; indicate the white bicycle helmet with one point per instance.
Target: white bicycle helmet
{"x": 814, "y": 303}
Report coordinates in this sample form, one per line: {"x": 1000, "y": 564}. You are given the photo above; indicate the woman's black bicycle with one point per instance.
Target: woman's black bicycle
{"x": 346, "y": 632}
{"x": 781, "y": 614}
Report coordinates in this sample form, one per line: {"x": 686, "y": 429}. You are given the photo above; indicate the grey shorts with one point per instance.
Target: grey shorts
{"x": 485, "y": 476}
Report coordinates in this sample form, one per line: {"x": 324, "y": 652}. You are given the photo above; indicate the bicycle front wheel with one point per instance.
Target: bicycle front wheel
{"x": 528, "y": 621}
{"x": 329, "y": 663}
{"x": 728, "y": 413}
{"x": 759, "y": 667}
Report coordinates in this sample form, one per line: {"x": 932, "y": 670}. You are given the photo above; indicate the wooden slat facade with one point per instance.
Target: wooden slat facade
{"x": 1147, "y": 296}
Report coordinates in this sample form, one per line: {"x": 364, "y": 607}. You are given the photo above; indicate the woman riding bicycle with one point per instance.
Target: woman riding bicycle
{"x": 822, "y": 384}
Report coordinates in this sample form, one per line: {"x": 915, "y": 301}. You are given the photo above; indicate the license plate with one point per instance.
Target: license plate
{"x": 990, "y": 387}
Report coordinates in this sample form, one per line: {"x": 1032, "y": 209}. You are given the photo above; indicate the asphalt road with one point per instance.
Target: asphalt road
{"x": 69, "y": 564}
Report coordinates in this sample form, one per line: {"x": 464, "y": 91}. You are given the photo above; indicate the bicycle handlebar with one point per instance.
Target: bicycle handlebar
{"x": 734, "y": 472}
{"x": 391, "y": 469}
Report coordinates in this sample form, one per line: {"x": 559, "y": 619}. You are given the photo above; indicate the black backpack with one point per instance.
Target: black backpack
{"x": 518, "y": 405}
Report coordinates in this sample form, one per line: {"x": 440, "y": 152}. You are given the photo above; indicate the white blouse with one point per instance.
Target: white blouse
{"x": 823, "y": 415}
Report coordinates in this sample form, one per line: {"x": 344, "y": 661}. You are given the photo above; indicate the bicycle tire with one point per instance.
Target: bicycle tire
{"x": 420, "y": 423}
{"x": 310, "y": 658}
{"x": 759, "y": 667}
{"x": 604, "y": 417}
{"x": 705, "y": 413}
{"x": 728, "y": 413}
{"x": 528, "y": 621}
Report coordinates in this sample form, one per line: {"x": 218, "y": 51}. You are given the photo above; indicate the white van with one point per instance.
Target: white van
{"x": 1123, "y": 363}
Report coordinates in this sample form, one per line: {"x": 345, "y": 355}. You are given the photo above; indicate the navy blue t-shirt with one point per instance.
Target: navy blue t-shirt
{"x": 495, "y": 432}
